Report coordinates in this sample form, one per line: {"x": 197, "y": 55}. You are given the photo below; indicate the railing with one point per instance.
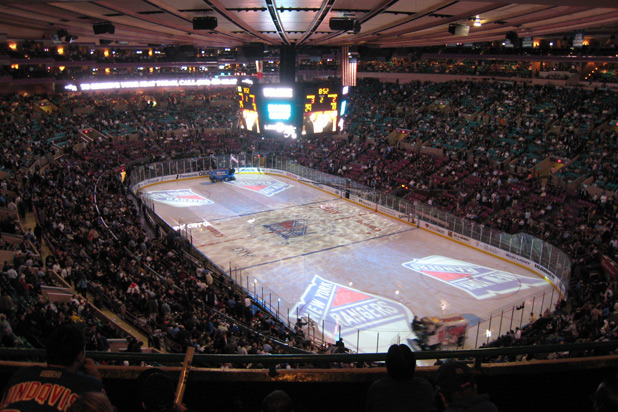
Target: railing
{"x": 548, "y": 259}
{"x": 478, "y": 356}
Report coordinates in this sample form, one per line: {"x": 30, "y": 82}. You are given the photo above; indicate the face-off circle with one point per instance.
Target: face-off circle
{"x": 290, "y": 230}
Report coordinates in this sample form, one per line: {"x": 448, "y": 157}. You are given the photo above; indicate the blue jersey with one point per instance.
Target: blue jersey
{"x": 46, "y": 389}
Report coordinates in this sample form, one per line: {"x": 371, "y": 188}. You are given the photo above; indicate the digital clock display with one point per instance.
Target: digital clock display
{"x": 323, "y": 99}
{"x": 246, "y": 99}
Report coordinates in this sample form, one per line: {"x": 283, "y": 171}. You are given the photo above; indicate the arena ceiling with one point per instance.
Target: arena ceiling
{"x": 384, "y": 23}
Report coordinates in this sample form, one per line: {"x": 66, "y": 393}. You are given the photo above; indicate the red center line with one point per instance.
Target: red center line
{"x": 233, "y": 239}
{"x": 222, "y": 241}
{"x": 353, "y": 216}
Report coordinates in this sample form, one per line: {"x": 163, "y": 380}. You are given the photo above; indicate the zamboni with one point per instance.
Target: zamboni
{"x": 222, "y": 175}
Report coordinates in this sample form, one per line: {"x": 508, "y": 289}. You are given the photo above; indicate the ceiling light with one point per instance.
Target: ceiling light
{"x": 477, "y": 21}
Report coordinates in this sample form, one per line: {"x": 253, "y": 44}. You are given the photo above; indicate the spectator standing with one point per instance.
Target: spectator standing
{"x": 400, "y": 390}
{"x": 82, "y": 286}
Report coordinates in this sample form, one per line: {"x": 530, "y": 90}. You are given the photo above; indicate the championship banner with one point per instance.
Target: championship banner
{"x": 259, "y": 69}
{"x": 366, "y": 322}
{"x": 478, "y": 281}
{"x": 609, "y": 266}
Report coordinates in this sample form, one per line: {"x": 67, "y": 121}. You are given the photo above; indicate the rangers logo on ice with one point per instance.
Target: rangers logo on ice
{"x": 262, "y": 184}
{"x": 478, "y": 281}
{"x": 289, "y": 228}
{"x": 179, "y": 198}
{"x": 354, "y": 315}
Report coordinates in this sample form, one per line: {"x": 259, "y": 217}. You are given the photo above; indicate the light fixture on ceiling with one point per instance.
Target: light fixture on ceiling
{"x": 477, "y": 21}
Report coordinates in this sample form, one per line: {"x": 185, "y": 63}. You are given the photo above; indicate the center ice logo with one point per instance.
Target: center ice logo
{"x": 260, "y": 184}
{"x": 289, "y": 228}
{"x": 357, "y": 316}
{"x": 478, "y": 281}
{"x": 179, "y": 198}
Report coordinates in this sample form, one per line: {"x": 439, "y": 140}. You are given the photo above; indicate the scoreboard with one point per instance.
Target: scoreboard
{"x": 291, "y": 109}
{"x": 320, "y": 110}
{"x": 322, "y": 99}
{"x": 249, "y": 119}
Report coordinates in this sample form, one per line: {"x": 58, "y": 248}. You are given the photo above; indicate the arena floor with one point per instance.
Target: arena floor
{"x": 357, "y": 274}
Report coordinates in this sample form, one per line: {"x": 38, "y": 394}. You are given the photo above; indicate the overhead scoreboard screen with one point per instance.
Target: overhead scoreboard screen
{"x": 320, "y": 110}
{"x": 290, "y": 110}
{"x": 249, "y": 118}
{"x": 279, "y": 109}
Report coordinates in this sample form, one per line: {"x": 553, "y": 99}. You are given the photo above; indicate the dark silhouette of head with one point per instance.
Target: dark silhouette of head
{"x": 606, "y": 397}
{"x": 157, "y": 391}
{"x": 92, "y": 402}
{"x": 277, "y": 401}
{"x": 454, "y": 379}
{"x": 64, "y": 345}
{"x": 400, "y": 362}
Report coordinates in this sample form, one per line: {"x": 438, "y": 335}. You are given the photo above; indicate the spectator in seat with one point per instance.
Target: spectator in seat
{"x": 92, "y": 402}
{"x": 605, "y": 398}
{"x": 67, "y": 369}
{"x": 457, "y": 391}
{"x": 277, "y": 401}
{"x": 158, "y": 392}
{"x": 400, "y": 390}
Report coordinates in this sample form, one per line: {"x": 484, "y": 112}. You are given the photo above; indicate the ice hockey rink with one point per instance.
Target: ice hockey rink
{"x": 350, "y": 271}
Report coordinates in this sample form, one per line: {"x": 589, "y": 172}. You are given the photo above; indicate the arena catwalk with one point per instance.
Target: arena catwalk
{"x": 348, "y": 271}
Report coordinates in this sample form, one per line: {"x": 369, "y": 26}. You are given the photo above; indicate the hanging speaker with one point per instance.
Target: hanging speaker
{"x": 204, "y": 23}
{"x": 459, "y": 29}
{"x": 102, "y": 28}
{"x": 341, "y": 23}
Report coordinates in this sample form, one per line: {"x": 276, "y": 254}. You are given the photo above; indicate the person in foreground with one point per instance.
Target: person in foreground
{"x": 605, "y": 398}
{"x": 54, "y": 387}
{"x": 400, "y": 390}
{"x": 457, "y": 391}
{"x": 158, "y": 392}
{"x": 92, "y": 402}
{"x": 277, "y": 401}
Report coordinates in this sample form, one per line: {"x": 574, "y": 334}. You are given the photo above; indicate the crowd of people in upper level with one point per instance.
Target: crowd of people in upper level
{"x": 234, "y": 62}
{"x": 602, "y": 72}
{"x": 110, "y": 248}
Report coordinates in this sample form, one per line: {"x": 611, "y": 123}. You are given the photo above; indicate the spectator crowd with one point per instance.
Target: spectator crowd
{"x": 489, "y": 141}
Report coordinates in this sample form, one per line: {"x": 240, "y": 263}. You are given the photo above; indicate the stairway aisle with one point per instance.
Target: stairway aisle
{"x": 29, "y": 221}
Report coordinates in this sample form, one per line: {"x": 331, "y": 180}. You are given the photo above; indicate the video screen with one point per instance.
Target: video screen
{"x": 320, "y": 122}
{"x": 250, "y": 121}
{"x": 279, "y": 111}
